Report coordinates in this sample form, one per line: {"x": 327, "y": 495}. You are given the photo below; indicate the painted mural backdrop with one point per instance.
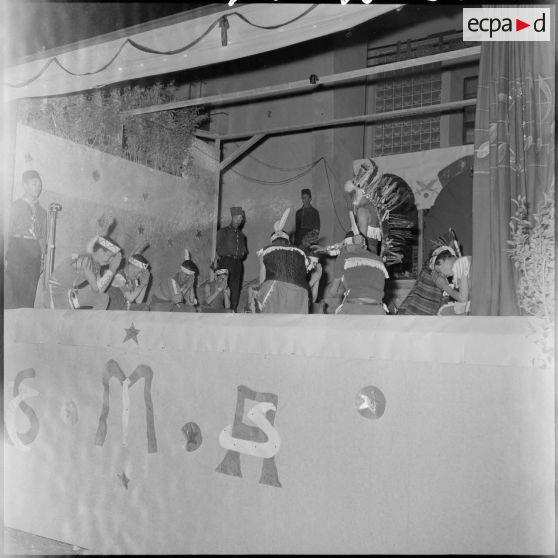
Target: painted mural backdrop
{"x": 168, "y": 212}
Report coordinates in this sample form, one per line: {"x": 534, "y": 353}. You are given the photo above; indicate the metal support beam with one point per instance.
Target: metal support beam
{"x": 446, "y": 58}
{"x": 242, "y": 149}
{"x": 350, "y": 120}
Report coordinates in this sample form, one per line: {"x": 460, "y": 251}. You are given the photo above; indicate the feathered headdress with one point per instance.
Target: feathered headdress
{"x": 446, "y": 243}
{"x": 279, "y": 225}
{"x": 390, "y": 202}
{"x": 105, "y": 224}
{"x": 188, "y": 265}
{"x": 137, "y": 251}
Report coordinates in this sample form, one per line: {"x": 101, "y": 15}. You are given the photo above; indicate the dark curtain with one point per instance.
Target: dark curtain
{"x": 514, "y": 155}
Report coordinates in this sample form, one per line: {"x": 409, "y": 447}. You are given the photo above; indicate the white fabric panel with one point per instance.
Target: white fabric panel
{"x": 493, "y": 341}
{"x": 244, "y": 40}
{"x": 458, "y": 459}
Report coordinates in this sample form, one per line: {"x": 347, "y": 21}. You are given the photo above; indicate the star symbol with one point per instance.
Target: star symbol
{"x": 145, "y": 196}
{"x": 169, "y": 241}
{"x": 124, "y": 479}
{"x": 131, "y": 333}
{"x": 367, "y": 403}
{"x": 141, "y": 229}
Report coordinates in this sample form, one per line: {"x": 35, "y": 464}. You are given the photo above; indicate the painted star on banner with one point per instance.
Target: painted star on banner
{"x": 131, "y": 333}
{"x": 367, "y": 403}
{"x": 124, "y": 479}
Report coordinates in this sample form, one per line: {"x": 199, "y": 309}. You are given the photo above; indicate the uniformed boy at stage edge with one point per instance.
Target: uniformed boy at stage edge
{"x": 26, "y": 244}
{"x": 231, "y": 250}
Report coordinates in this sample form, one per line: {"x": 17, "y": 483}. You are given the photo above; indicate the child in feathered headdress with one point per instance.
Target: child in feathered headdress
{"x": 432, "y": 285}
{"x": 129, "y": 286}
{"x": 178, "y": 292}
{"x": 77, "y": 281}
{"x": 283, "y": 271}
{"x": 359, "y": 276}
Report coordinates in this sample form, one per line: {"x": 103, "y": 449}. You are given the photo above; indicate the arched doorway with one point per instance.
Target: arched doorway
{"x": 452, "y": 208}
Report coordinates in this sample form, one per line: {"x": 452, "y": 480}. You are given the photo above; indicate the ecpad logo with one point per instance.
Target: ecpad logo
{"x": 507, "y": 24}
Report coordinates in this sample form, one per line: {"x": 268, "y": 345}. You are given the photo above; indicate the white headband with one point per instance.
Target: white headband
{"x": 350, "y": 240}
{"x": 438, "y": 251}
{"x": 279, "y": 234}
{"x": 137, "y": 263}
{"x": 221, "y": 272}
{"x": 108, "y": 245}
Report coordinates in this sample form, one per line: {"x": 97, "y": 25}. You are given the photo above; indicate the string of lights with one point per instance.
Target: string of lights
{"x": 222, "y": 22}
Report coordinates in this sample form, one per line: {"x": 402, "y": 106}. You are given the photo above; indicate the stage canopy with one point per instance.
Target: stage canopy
{"x": 204, "y": 39}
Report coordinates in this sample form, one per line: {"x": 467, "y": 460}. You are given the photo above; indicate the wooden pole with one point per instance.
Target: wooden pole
{"x": 217, "y": 198}
{"x": 246, "y": 146}
{"x": 420, "y": 251}
{"x": 351, "y": 120}
{"x": 446, "y": 58}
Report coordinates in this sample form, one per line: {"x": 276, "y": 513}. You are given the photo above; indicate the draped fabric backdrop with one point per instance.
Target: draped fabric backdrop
{"x": 514, "y": 155}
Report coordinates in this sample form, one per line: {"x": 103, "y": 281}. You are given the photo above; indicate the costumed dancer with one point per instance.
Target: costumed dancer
{"x": 77, "y": 281}
{"x": 26, "y": 244}
{"x": 379, "y": 208}
{"x": 459, "y": 268}
{"x": 129, "y": 286}
{"x": 178, "y": 292}
{"x": 216, "y": 293}
{"x": 360, "y": 275}
{"x": 427, "y": 295}
{"x": 231, "y": 250}
{"x": 283, "y": 285}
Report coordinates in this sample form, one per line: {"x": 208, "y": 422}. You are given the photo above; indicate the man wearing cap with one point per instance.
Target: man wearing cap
{"x": 307, "y": 219}
{"x": 26, "y": 244}
{"x": 231, "y": 250}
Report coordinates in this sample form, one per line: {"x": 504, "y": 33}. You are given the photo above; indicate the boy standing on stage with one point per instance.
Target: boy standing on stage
{"x": 26, "y": 244}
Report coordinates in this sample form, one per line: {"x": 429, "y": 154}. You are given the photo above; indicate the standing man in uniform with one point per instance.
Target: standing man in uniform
{"x": 231, "y": 250}
{"x": 26, "y": 244}
{"x": 307, "y": 218}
